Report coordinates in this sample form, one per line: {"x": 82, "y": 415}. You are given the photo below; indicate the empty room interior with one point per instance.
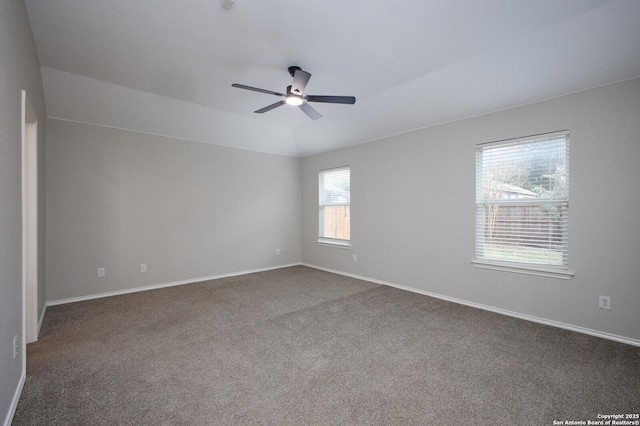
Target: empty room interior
{"x": 288, "y": 212}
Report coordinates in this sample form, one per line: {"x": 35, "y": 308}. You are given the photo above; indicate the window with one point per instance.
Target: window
{"x": 334, "y": 224}
{"x": 522, "y": 205}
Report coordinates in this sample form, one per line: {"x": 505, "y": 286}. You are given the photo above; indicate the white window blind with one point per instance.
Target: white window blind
{"x": 334, "y": 222}
{"x": 522, "y": 202}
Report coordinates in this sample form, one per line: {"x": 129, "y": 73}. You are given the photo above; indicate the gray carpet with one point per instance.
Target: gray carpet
{"x": 300, "y": 346}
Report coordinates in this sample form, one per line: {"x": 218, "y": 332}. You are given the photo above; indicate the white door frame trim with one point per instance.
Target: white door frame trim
{"x": 29, "y": 225}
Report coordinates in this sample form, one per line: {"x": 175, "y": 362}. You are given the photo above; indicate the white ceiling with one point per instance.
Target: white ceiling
{"x": 166, "y": 67}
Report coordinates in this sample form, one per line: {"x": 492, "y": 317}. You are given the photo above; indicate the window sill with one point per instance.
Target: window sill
{"x": 334, "y": 243}
{"x": 564, "y": 274}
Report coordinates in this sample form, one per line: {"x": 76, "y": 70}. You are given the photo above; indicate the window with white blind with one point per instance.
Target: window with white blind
{"x": 522, "y": 205}
{"x": 334, "y": 216}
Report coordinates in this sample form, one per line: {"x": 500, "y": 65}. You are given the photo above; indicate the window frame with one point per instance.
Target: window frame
{"x": 532, "y": 268}
{"x": 322, "y": 204}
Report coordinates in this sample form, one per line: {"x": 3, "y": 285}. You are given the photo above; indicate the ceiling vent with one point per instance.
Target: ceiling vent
{"x": 227, "y": 4}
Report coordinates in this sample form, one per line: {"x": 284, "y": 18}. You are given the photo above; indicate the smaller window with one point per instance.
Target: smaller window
{"x": 334, "y": 216}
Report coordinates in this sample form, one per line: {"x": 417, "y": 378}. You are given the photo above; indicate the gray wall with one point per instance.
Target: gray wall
{"x": 19, "y": 69}
{"x": 413, "y": 216}
{"x": 116, "y": 199}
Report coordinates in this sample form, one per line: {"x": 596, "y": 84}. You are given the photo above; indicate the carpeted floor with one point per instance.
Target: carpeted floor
{"x": 301, "y": 346}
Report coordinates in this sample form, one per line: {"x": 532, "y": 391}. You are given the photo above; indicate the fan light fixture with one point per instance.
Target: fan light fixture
{"x": 293, "y": 100}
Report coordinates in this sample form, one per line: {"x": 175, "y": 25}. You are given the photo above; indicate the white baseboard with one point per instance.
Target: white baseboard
{"x": 163, "y": 285}
{"x": 16, "y": 399}
{"x": 552, "y": 323}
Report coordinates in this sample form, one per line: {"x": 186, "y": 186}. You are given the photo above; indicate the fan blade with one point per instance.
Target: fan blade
{"x": 255, "y": 89}
{"x": 270, "y": 107}
{"x": 300, "y": 80}
{"x": 308, "y": 109}
{"x": 332, "y": 99}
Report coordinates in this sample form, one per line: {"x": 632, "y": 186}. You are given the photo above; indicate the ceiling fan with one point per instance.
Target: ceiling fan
{"x": 295, "y": 95}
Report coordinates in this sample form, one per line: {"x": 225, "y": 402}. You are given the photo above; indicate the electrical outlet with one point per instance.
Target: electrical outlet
{"x": 355, "y": 258}
{"x": 277, "y": 252}
{"x": 604, "y": 302}
{"x": 143, "y": 267}
{"x": 15, "y": 346}
{"x": 101, "y": 272}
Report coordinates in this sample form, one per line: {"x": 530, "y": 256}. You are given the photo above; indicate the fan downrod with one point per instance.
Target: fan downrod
{"x": 293, "y": 69}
